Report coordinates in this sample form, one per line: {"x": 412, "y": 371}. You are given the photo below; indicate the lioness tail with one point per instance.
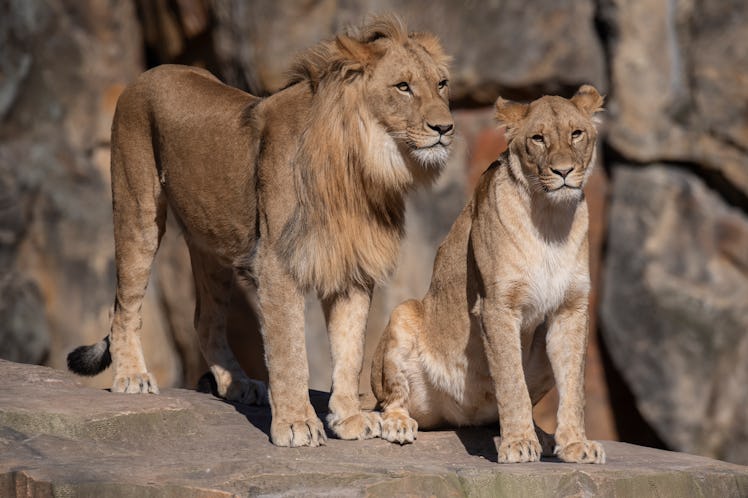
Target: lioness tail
{"x": 90, "y": 360}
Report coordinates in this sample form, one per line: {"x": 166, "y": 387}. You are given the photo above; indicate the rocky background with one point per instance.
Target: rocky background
{"x": 668, "y": 360}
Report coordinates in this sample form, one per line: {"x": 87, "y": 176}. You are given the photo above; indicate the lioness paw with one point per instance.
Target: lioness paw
{"x": 361, "y": 425}
{"x": 135, "y": 383}
{"x": 519, "y": 451}
{"x": 399, "y": 428}
{"x": 581, "y": 452}
{"x": 309, "y": 432}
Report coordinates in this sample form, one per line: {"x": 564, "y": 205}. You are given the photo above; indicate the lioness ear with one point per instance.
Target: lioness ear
{"x": 588, "y": 100}
{"x": 355, "y": 56}
{"x": 510, "y": 114}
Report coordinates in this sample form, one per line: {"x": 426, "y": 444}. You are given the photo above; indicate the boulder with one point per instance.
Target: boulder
{"x": 678, "y": 85}
{"x": 496, "y": 46}
{"x": 66, "y": 63}
{"x": 58, "y": 438}
{"x": 675, "y": 307}
{"x": 24, "y": 334}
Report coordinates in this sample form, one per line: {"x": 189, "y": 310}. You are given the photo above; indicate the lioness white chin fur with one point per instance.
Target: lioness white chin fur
{"x": 507, "y": 308}
{"x": 302, "y": 190}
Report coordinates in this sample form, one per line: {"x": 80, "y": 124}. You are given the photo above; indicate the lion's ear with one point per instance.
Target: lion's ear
{"x": 510, "y": 113}
{"x": 588, "y": 100}
{"x": 355, "y": 56}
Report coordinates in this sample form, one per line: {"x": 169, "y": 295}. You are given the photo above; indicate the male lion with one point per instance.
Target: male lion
{"x": 300, "y": 190}
{"x": 507, "y": 306}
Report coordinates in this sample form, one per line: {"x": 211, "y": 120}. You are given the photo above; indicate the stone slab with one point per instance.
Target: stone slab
{"x": 59, "y": 438}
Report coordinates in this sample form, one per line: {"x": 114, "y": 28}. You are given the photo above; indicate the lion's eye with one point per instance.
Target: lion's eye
{"x": 576, "y": 134}
{"x": 442, "y": 84}
{"x": 403, "y": 87}
{"x": 538, "y": 138}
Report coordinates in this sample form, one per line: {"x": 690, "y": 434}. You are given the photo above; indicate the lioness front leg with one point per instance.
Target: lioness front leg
{"x": 501, "y": 336}
{"x": 566, "y": 346}
{"x": 281, "y": 306}
{"x": 346, "y": 314}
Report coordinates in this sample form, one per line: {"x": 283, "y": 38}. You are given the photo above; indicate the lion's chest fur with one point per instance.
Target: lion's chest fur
{"x": 346, "y": 230}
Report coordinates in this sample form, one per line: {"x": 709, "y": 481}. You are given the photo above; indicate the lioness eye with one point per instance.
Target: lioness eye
{"x": 538, "y": 138}
{"x": 576, "y": 134}
{"x": 403, "y": 87}
{"x": 442, "y": 84}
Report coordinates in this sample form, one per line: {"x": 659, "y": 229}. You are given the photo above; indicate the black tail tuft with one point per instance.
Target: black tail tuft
{"x": 90, "y": 360}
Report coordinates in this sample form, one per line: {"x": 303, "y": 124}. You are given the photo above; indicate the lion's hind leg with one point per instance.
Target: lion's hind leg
{"x": 139, "y": 221}
{"x": 213, "y": 284}
{"x": 391, "y": 377}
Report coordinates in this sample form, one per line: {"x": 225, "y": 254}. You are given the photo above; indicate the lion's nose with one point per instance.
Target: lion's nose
{"x": 441, "y": 128}
{"x": 562, "y": 172}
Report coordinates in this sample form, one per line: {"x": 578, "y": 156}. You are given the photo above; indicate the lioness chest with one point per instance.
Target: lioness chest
{"x": 538, "y": 249}
{"x": 548, "y": 280}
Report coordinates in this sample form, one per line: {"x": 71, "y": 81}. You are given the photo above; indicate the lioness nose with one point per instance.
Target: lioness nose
{"x": 441, "y": 128}
{"x": 562, "y": 172}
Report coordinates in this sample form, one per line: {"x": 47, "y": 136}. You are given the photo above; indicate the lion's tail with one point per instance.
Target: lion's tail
{"x": 90, "y": 360}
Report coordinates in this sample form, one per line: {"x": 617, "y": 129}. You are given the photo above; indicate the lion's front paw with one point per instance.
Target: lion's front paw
{"x": 309, "y": 432}
{"x": 361, "y": 425}
{"x": 519, "y": 450}
{"x": 399, "y": 428}
{"x": 135, "y": 383}
{"x": 581, "y": 452}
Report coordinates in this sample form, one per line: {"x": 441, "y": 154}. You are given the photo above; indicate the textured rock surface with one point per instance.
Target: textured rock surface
{"x": 675, "y": 308}
{"x": 68, "y": 63}
{"x": 496, "y": 45}
{"x": 678, "y": 83}
{"x": 60, "y": 439}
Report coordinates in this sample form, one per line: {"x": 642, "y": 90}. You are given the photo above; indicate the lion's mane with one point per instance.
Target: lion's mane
{"x": 350, "y": 175}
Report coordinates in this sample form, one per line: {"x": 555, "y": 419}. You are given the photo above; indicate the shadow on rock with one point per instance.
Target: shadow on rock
{"x": 480, "y": 441}
{"x": 483, "y": 442}
{"x": 260, "y": 415}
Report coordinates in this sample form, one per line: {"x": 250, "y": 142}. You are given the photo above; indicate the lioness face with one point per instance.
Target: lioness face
{"x": 409, "y": 96}
{"x": 554, "y": 140}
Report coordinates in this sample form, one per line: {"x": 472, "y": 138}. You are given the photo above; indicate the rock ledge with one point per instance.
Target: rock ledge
{"x": 58, "y": 438}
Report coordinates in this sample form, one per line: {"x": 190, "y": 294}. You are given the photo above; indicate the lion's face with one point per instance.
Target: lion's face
{"x": 554, "y": 140}
{"x": 408, "y": 94}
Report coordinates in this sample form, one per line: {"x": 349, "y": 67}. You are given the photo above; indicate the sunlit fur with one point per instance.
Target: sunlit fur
{"x": 301, "y": 190}
{"x": 360, "y": 154}
{"x": 568, "y": 144}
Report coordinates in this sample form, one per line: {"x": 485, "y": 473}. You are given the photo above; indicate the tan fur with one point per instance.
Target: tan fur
{"x": 506, "y": 312}
{"x": 302, "y": 190}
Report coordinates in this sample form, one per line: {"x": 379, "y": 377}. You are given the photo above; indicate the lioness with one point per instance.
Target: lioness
{"x": 507, "y": 306}
{"x": 300, "y": 190}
